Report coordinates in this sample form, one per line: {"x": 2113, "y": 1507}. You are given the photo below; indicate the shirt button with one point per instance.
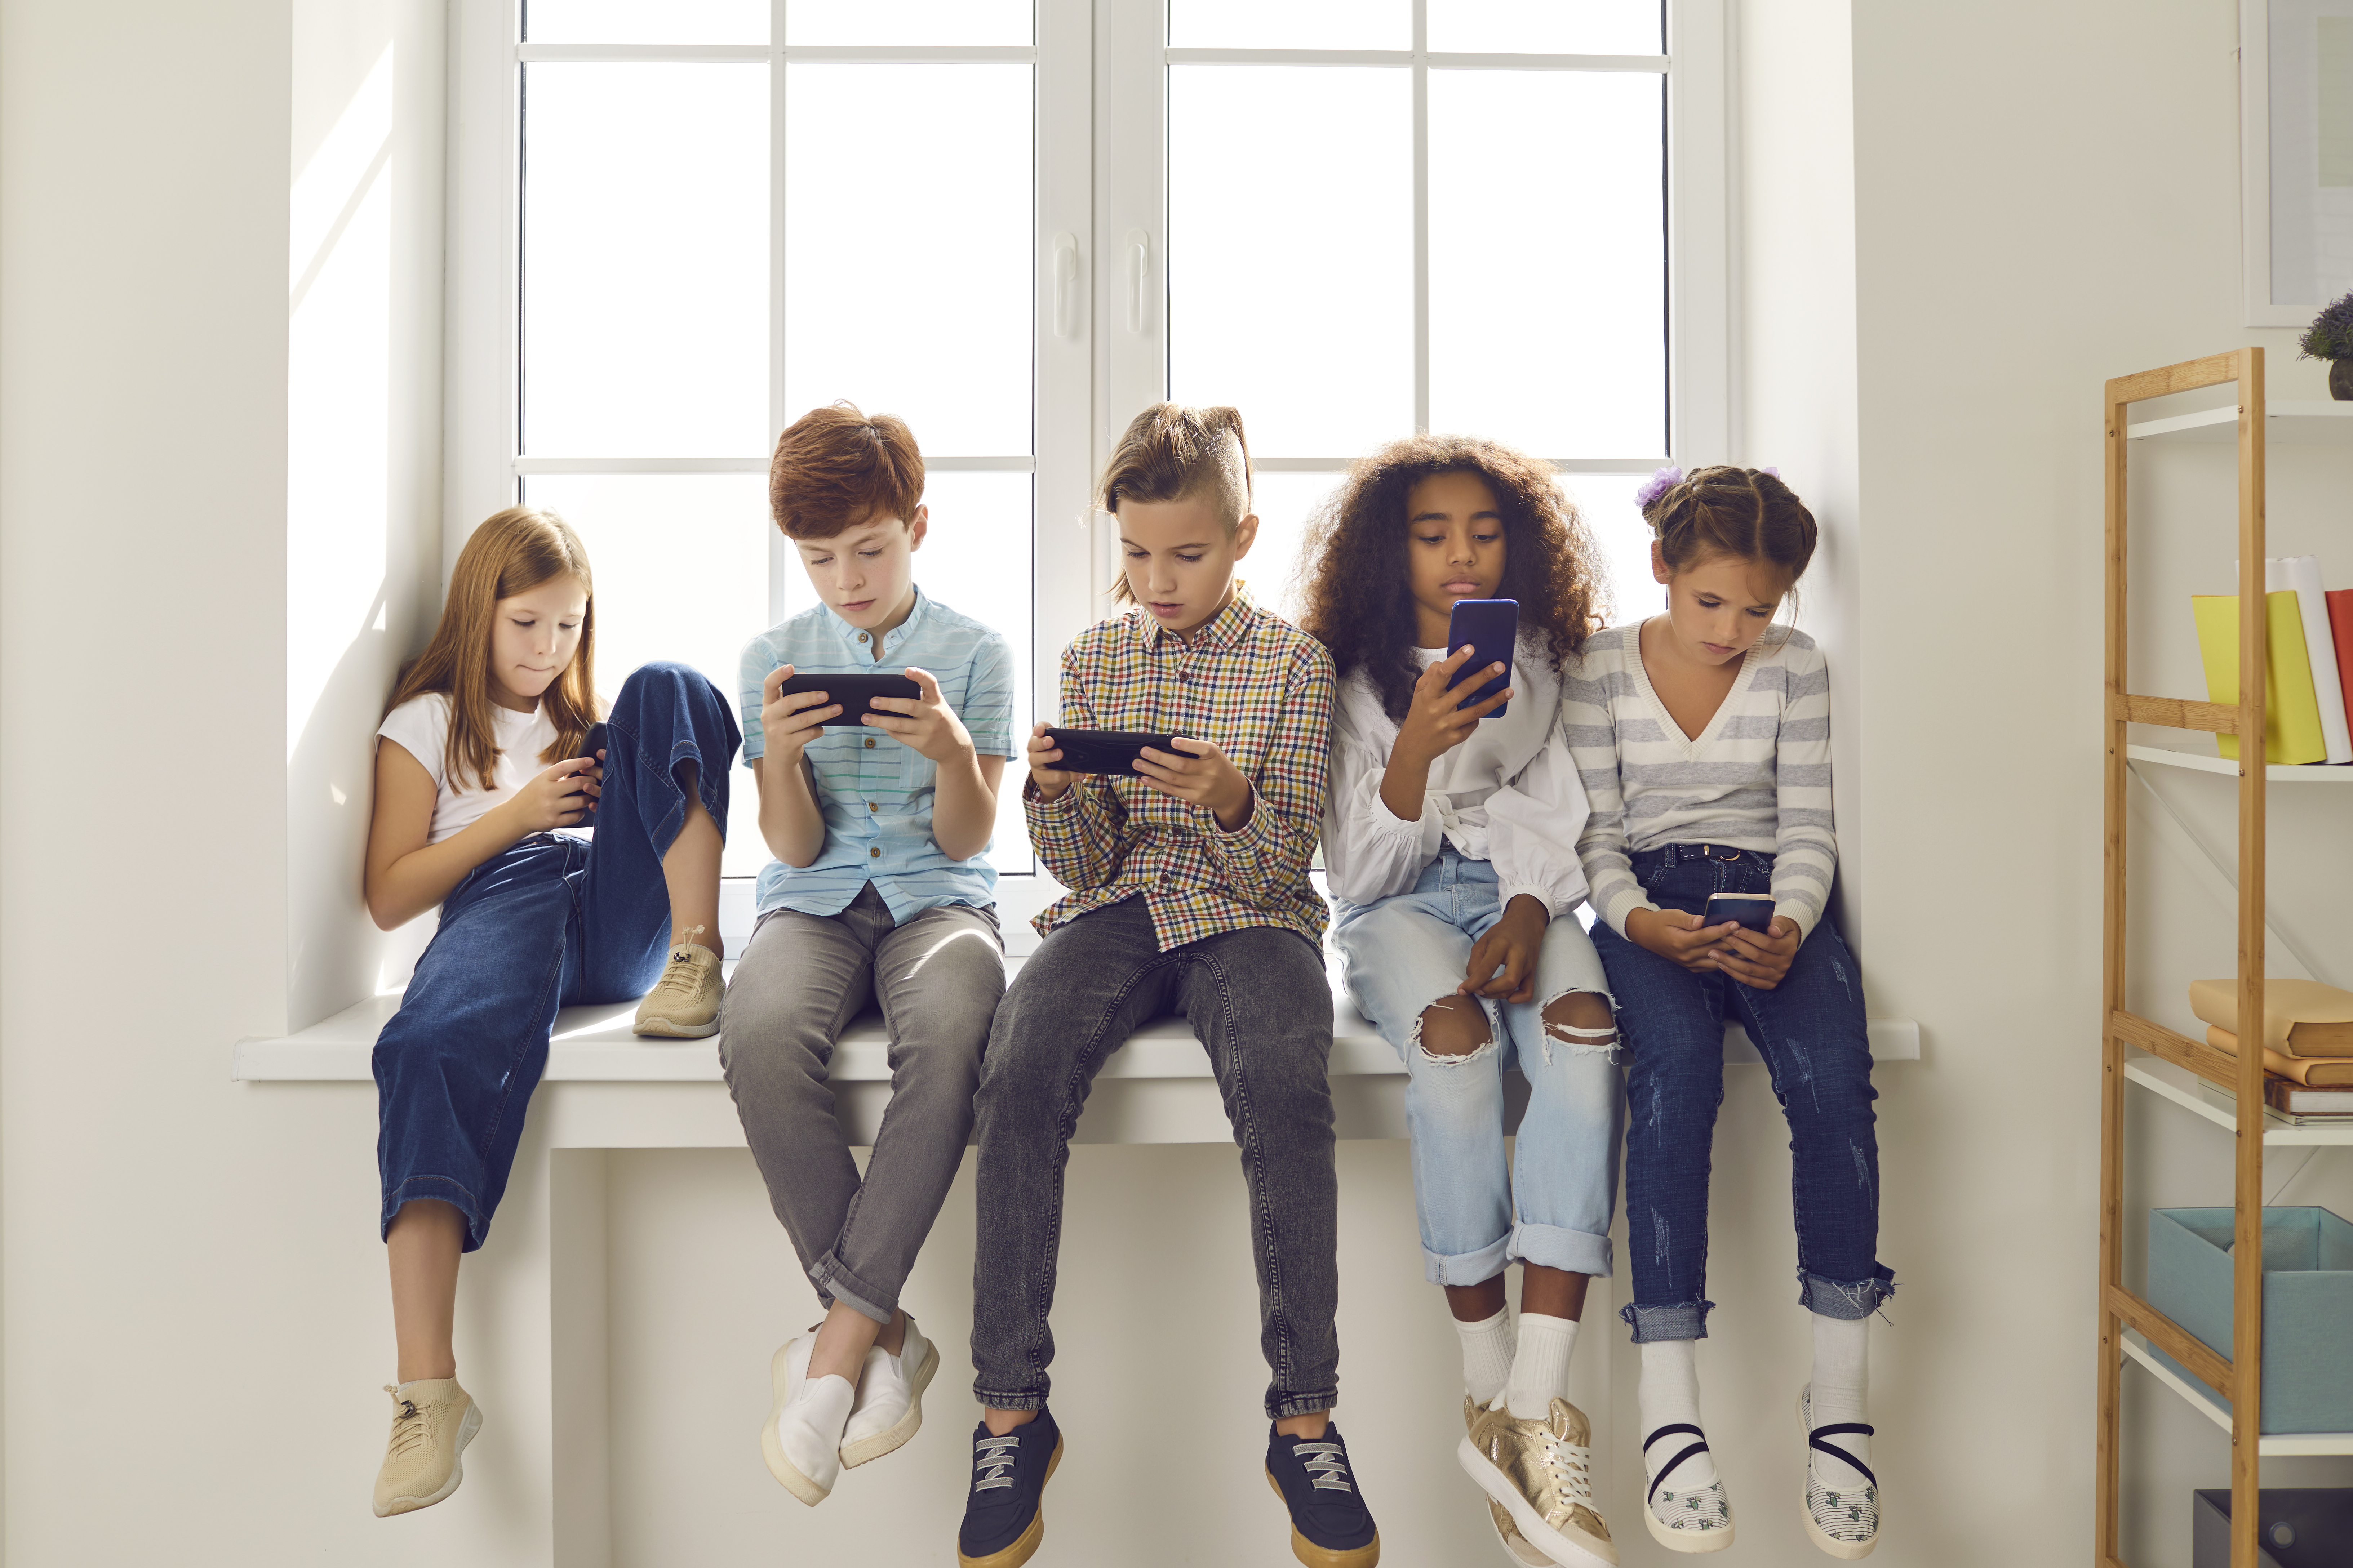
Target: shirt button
{"x": 862, "y": 637}
{"x": 870, "y": 743}
{"x": 875, "y": 854}
{"x": 871, "y": 807}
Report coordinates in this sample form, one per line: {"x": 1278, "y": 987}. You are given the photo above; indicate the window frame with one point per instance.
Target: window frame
{"x": 1100, "y": 183}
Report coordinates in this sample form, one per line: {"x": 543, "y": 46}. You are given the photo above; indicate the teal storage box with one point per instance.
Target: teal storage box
{"x": 2307, "y": 1305}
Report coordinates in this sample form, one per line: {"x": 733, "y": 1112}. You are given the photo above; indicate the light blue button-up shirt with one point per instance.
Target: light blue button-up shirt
{"x": 876, "y": 791}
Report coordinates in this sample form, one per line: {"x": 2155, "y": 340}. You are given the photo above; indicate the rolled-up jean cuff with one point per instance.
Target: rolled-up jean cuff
{"x": 1465, "y": 1267}
{"x": 1550, "y": 1246}
{"x": 440, "y": 1189}
{"x": 1684, "y": 1321}
{"x": 1000, "y": 1400}
{"x": 1850, "y": 1300}
{"x": 1280, "y": 1406}
{"x": 838, "y": 1284}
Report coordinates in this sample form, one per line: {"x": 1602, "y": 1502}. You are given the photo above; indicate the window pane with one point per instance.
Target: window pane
{"x": 976, "y": 559}
{"x": 1290, "y": 252}
{"x": 682, "y": 566}
{"x": 645, "y": 259}
{"x": 1291, "y": 24}
{"x": 1549, "y": 27}
{"x": 1547, "y": 260}
{"x": 908, "y": 247}
{"x": 635, "y": 22}
{"x": 1285, "y": 502}
{"x": 1607, "y": 502}
{"x": 934, "y": 22}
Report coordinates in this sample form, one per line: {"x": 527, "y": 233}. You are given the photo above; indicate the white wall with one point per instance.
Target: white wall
{"x": 210, "y": 487}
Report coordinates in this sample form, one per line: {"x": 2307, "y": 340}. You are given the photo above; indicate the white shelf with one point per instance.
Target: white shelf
{"x": 2288, "y": 421}
{"x": 2273, "y": 1446}
{"x": 2278, "y": 773}
{"x": 2181, "y": 1085}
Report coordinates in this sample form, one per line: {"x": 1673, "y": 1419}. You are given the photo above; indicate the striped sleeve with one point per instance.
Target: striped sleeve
{"x": 1806, "y": 847}
{"x": 987, "y": 712}
{"x": 1586, "y": 691}
{"x": 752, "y": 677}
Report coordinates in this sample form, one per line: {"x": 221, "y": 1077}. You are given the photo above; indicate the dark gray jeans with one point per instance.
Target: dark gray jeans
{"x": 801, "y": 980}
{"x": 1258, "y": 999}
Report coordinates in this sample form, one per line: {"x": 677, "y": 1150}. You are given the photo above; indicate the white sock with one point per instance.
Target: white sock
{"x": 1540, "y": 1367}
{"x": 1669, "y": 1396}
{"x": 1486, "y": 1356}
{"x": 1841, "y": 1381}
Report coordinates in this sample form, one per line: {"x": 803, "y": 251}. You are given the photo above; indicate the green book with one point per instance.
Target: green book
{"x": 2291, "y": 703}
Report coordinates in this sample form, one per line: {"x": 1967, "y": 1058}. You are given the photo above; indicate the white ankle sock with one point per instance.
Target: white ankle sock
{"x": 1540, "y": 1366}
{"x": 1841, "y": 1381}
{"x": 1486, "y": 1355}
{"x": 1668, "y": 1396}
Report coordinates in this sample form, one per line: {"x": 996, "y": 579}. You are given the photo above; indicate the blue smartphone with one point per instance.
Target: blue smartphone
{"x": 1492, "y": 626}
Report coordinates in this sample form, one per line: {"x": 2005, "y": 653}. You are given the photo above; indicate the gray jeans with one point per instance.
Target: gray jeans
{"x": 804, "y": 977}
{"x": 1258, "y": 1001}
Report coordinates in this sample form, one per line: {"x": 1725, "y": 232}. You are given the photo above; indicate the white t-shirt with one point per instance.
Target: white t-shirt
{"x": 421, "y": 725}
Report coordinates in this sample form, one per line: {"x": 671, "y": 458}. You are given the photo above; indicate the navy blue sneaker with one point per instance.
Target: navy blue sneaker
{"x": 1003, "y": 1523}
{"x": 1330, "y": 1525}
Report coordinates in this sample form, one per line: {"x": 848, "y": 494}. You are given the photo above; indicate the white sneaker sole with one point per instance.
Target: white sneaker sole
{"x": 772, "y": 1449}
{"x": 663, "y": 1028}
{"x": 894, "y": 1437}
{"x": 1506, "y": 1532}
{"x": 467, "y": 1427}
{"x": 1689, "y": 1540}
{"x": 1568, "y": 1553}
{"x": 1845, "y": 1551}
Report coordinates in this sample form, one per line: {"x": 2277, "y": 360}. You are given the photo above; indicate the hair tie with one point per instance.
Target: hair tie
{"x": 1775, "y": 472}
{"x": 1661, "y": 481}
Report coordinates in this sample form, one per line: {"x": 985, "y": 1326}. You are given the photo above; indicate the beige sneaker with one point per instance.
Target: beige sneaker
{"x": 432, "y": 1422}
{"x": 1515, "y": 1545}
{"x": 1542, "y": 1474}
{"x": 684, "y": 1003}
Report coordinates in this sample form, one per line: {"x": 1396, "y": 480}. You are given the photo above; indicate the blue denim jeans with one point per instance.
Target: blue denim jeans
{"x": 1551, "y": 1203}
{"x": 550, "y": 922}
{"x": 1809, "y": 1030}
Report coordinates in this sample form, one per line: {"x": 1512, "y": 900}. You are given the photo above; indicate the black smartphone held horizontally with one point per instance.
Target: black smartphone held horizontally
{"x": 856, "y": 694}
{"x": 1105, "y": 750}
{"x": 1492, "y": 627}
{"x": 1754, "y": 910}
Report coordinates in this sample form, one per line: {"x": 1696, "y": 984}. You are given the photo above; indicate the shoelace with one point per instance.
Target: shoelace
{"x": 682, "y": 973}
{"x": 410, "y": 1431}
{"x": 1326, "y": 1463}
{"x": 1571, "y": 1464}
{"x": 992, "y": 1461}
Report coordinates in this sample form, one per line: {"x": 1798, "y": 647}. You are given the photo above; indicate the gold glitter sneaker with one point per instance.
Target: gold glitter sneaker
{"x": 684, "y": 1003}
{"x": 433, "y": 1419}
{"x": 1515, "y": 1545}
{"x": 1541, "y": 1472}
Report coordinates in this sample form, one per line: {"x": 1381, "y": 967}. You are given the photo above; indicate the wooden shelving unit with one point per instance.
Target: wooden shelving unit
{"x": 2137, "y": 1051}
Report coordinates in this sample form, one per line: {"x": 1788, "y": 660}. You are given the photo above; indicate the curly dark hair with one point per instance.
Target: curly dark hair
{"x": 1358, "y": 595}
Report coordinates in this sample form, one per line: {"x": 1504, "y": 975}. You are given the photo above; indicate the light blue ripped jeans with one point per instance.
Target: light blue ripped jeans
{"x": 1550, "y": 1205}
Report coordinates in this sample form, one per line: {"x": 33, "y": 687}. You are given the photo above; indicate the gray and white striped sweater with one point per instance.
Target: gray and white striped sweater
{"x": 1758, "y": 776}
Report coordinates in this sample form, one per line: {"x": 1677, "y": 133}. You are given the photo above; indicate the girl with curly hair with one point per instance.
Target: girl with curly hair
{"x": 1450, "y": 834}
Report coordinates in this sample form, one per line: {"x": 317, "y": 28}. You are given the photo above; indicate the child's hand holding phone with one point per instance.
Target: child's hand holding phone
{"x": 1199, "y": 773}
{"x": 560, "y": 796}
{"x": 1759, "y": 959}
{"x": 926, "y": 723}
{"x": 1048, "y": 780}
{"x": 1435, "y": 724}
{"x": 789, "y": 722}
{"x": 1680, "y": 937}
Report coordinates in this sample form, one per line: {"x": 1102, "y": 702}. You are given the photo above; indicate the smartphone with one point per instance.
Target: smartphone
{"x": 1754, "y": 910}
{"x": 1105, "y": 750}
{"x": 856, "y": 694}
{"x": 1492, "y": 626}
{"x": 599, "y": 739}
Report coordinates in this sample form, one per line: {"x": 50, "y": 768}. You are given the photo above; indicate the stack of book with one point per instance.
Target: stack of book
{"x": 2309, "y": 668}
{"x": 2306, "y": 1039}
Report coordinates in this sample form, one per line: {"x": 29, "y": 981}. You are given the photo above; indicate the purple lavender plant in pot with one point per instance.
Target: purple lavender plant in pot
{"x": 2331, "y": 337}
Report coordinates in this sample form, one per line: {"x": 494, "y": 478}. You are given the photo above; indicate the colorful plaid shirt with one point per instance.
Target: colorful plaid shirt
{"x": 1249, "y": 683}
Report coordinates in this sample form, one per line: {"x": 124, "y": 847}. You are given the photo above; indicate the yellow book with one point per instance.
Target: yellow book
{"x": 2291, "y": 703}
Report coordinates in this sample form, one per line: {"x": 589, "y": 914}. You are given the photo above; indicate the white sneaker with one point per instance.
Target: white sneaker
{"x": 802, "y": 1439}
{"x": 1685, "y": 1518}
{"x": 890, "y": 1407}
{"x": 1843, "y": 1522}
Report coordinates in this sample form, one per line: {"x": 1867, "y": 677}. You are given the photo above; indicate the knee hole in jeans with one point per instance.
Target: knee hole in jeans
{"x": 1452, "y": 1028}
{"x": 1581, "y": 1020}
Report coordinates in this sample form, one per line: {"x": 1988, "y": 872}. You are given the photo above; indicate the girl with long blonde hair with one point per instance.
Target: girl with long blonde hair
{"x": 483, "y": 800}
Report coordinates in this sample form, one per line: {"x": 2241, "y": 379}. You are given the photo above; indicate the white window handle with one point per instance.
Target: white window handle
{"x": 1139, "y": 262}
{"x": 1066, "y": 277}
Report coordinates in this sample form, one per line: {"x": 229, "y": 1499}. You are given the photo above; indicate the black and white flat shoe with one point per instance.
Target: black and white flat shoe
{"x": 1843, "y": 1522}
{"x": 1693, "y": 1519}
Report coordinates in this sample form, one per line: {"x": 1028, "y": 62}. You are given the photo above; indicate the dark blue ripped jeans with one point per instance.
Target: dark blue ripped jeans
{"x": 549, "y": 922}
{"x": 1809, "y": 1030}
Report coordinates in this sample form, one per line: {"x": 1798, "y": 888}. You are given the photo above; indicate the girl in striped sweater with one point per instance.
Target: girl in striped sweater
{"x": 1703, "y": 739}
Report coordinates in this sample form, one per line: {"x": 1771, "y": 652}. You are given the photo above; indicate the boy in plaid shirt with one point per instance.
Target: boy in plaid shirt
{"x": 1189, "y": 895}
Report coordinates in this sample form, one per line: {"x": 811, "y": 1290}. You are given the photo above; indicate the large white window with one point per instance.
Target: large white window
{"x": 1015, "y": 222}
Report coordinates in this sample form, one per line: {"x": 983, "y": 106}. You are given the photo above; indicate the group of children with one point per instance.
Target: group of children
{"x": 1640, "y": 769}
